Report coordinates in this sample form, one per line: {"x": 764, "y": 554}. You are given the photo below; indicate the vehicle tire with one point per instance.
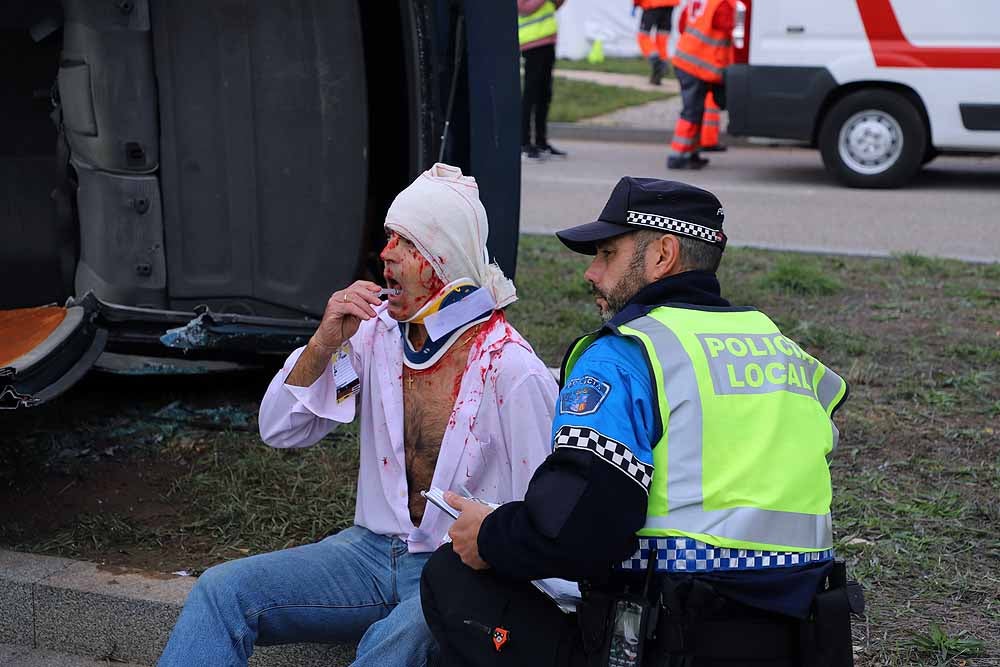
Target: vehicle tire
{"x": 873, "y": 139}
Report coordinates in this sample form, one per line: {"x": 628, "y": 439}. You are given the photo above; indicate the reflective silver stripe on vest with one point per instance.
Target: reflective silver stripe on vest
{"x": 829, "y": 388}
{"x": 711, "y": 41}
{"x": 538, "y": 19}
{"x": 684, "y": 434}
{"x": 808, "y": 531}
{"x": 698, "y": 62}
{"x": 836, "y": 436}
{"x": 685, "y": 496}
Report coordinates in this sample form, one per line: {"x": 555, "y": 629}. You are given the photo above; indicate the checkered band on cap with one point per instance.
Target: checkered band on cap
{"x": 611, "y": 451}
{"x": 676, "y": 226}
{"x": 686, "y": 554}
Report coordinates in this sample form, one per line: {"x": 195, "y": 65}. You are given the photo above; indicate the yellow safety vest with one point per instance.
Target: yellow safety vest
{"x": 746, "y": 415}
{"x": 538, "y": 25}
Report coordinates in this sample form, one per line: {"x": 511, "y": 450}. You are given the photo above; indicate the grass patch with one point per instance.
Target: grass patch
{"x": 914, "y": 263}
{"x": 577, "y": 100}
{"x": 548, "y": 273}
{"x": 943, "y": 648}
{"x": 797, "y": 275}
{"x": 638, "y": 66}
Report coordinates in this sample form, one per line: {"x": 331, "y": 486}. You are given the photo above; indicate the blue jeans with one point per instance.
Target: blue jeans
{"x": 351, "y": 586}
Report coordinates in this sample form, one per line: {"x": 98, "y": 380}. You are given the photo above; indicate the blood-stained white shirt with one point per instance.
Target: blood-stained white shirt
{"x": 500, "y": 429}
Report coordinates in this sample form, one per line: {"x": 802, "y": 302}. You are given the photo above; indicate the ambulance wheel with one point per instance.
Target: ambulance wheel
{"x": 873, "y": 139}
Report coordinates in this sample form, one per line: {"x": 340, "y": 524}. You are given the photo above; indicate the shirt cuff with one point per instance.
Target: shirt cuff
{"x": 320, "y": 398}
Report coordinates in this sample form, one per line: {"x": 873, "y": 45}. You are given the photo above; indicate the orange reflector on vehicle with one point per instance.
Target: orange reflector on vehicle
{"x": 23, "y": 329}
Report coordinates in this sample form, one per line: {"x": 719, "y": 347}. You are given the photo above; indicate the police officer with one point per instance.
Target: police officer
{"x": 688, "y": 489}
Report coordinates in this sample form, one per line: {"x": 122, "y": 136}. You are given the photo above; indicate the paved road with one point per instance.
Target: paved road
{"x": 783, "y": 198}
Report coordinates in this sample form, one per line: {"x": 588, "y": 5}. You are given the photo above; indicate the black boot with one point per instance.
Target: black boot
{"x": 659, "y": 69}
{"x": 656, "y": 67}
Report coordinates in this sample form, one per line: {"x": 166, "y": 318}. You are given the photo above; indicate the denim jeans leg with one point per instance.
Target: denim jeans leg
{"x": 402, "y": 637}
{"x": 330, "y": 591}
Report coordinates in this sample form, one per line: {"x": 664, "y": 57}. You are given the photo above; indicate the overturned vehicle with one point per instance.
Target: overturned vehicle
{"x": 189, "y": 182}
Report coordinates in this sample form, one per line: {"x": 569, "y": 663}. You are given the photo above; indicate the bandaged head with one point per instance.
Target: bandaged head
{"x": 440, "y": 213}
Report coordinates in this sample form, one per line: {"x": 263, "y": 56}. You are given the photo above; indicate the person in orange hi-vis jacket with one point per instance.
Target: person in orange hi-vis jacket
{"x": 704, "y": 50}
{"x": 656, "y": 14}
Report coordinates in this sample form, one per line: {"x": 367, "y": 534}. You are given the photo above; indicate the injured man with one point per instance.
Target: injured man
{"x": 448, "y": 395}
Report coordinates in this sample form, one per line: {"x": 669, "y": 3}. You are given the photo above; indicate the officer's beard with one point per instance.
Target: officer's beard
{"x": 619, "y": 296}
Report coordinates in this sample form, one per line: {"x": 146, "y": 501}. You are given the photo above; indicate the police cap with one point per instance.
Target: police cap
{"x": 651, "y": 203}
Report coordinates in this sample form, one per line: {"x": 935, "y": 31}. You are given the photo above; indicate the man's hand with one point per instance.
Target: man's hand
{"x": 464, "y": 532}
{"x": 344, "y": 312}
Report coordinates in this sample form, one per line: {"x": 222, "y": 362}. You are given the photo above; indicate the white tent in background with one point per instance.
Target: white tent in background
{"x": 611, "y": 21}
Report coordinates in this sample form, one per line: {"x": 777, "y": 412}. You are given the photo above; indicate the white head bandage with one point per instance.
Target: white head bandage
{"x": 441, "y": 214}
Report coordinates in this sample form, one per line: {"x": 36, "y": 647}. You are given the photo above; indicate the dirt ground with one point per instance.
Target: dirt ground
{"x": 98, "y": 474}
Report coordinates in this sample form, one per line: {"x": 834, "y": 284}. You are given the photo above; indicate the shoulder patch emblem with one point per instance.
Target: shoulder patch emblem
{"x": 583, "y": 396}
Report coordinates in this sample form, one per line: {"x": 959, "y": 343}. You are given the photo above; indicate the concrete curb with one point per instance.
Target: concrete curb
{"x": 612, "y": 133}
{"x": 73, "y": 607}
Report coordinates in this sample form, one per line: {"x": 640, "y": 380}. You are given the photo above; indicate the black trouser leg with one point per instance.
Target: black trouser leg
{"x": 529, "y": 93}
{"x": 463, "y": 607}
{"x": 537, "y": 93}
{"x": 548, "y": 55}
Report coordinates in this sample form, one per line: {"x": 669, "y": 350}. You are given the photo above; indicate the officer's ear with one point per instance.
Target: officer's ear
{"x": 664, "y": 258}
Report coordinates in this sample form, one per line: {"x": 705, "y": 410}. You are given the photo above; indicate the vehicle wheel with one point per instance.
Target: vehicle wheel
{"x": 873, "y": 139}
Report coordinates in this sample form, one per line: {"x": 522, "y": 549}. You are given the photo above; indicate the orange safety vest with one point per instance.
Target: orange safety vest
{"x": 654, "y": 4}
{"x": 703, "y": 51}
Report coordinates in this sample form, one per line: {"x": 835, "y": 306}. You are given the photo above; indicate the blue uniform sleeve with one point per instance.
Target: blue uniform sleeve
{"x": 587, "y": 500}
{"x": 607, "y": 405}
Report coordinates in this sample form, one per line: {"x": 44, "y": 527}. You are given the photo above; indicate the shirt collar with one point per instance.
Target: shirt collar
{"x": 497, "y": 331}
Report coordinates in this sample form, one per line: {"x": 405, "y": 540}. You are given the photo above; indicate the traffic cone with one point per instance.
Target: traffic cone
{"x": 596, "y": 54}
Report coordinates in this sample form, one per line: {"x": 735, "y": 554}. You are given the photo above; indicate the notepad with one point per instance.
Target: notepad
{"x": 565, "y": 594}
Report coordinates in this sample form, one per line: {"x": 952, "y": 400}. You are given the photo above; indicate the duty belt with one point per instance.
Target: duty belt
{"x": 685, "y": 554}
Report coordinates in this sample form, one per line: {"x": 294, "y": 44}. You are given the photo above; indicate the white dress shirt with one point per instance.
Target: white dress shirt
{"x": 500, "y": 428}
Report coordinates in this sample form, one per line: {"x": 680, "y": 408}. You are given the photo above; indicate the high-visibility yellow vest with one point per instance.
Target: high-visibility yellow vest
{"x": 746, "y": 417}
{"x": 539, "y": 24}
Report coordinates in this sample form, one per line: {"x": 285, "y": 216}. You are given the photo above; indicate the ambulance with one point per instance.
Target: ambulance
{"x": 880, "y": 87}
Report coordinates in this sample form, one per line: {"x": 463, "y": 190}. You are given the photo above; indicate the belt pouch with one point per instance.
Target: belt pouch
{"x": 592, "y": 615}
{"x": 830, "y": 643}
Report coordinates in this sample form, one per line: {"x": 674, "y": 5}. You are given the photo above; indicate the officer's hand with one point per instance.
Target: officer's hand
{"x": 464, "y": 532}
{"x": 343, "y": 315}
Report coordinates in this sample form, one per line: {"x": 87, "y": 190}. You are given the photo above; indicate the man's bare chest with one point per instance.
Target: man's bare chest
{"x": 428, "y": 401}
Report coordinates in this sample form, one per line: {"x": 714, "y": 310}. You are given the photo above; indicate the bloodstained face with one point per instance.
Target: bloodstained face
{"x": 407, "y": 270}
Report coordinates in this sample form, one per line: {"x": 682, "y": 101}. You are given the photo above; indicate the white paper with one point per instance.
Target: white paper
{"x": 566, "y": 594}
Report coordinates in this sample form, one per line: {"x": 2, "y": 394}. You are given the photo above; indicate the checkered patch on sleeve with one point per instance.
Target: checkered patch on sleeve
{"x": 611, "y": 451}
